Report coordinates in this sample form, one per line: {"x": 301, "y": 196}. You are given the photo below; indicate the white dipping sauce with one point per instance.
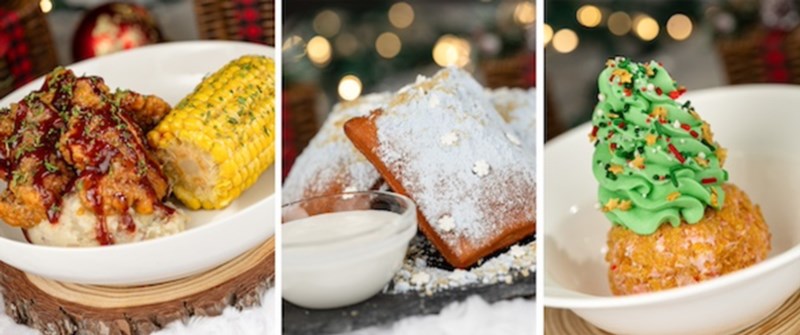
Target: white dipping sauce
{"x": 340, "y": 229}
{"x": 338, "y": 259}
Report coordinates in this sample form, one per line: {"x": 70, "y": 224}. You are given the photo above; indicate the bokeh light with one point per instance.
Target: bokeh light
{"x": 350, "y": 87}
{"x": 565, "y": 41}
{"x": 679, "y": 27}
{"x": 525, "y": 13}
{"x": 619, "y": 23}
{"x": 319, "y": 50}
{"x": 547, "y": 31}
{"x": 388, "y": 45}
{"x": 589, "y": 16}
{"x": 645, "y": 27}
{"x": 401, "y": 15}
{"x": 46, "y": 6}
{"x": 451, "y": 50}
{"x": 327, "y": 23}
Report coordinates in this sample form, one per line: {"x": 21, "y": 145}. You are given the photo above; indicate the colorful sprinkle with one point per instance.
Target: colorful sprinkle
{"x": 651, "y": 139}
{"x": 637, "y": 163}
{"x": 711, "y": 180}
{"x": 673, "y": 196}
{"x": 623, "y": 75}
{"x": 676, "y": 153}
{"x": 610, "y": 205}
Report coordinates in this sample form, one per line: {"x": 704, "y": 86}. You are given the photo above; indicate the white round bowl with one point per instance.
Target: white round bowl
{"x": 758, "y": 125}
{"x": 345, "y": 274}
{"x": 171, "y": 71}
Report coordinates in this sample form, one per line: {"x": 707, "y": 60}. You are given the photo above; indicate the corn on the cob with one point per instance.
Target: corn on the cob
{"x": 219, "y": 139}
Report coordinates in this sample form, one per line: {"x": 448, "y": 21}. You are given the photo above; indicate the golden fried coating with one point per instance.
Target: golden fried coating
{"x": 117, "y": 171}
{"x": 73, "y": 134}
{"x": 145, "y": 110}
{"x": 36, "y": 174}
{"x": 722, "y": 242}
{"x": 63, "y": 89}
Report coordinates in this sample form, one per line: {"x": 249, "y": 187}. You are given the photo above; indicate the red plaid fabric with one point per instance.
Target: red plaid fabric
{"x": 530, "y": 69}
{"x": 775, "y": 57}
{"x": 14, "y": 48}
{"x": 250, "y": 21}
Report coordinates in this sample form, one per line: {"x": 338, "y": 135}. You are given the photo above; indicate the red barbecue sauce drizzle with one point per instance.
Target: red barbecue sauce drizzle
{"x": 48, "y": 129}
{"x": 98, "y": 152}
{"x": 99, "y": 155}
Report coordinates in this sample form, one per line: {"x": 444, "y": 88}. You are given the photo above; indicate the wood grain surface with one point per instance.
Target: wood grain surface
{"x": 62, "y": 308}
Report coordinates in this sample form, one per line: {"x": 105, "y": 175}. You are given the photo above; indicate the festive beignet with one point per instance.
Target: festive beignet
{"x": 441, "y": 142}
{"x": 517, "y": 107}
{"x": 331, "y": 164}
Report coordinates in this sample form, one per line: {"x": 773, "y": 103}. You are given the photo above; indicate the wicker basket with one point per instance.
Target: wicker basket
{"x": 233, "y": 20}
{"x": 299, "y": 121}
{"x": 792, "y": 50}
{"x": 507, "y": 72}
{"x": 41, "y": 50}
{"x": 742, "y": 59}
{"x": 744, "y": 62}
{"x": 552, "y": 123}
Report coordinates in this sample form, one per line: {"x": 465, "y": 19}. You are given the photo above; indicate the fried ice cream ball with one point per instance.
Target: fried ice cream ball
{"x": 724, "y": 241}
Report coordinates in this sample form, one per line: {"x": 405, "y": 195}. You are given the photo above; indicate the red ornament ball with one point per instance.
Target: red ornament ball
{"x": 114, "y": 27}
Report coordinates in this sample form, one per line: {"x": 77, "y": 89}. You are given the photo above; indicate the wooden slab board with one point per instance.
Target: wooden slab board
{"x": 60, "y": 308}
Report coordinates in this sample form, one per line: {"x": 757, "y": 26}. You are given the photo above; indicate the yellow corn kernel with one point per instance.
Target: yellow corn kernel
{"x": 219, "y": 139}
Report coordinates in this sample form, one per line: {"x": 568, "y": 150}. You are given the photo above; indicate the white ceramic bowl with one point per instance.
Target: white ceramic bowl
{"x": 170, "y": 71}
{"x": 340, "y": 276}
{"x": 758, "y": 124}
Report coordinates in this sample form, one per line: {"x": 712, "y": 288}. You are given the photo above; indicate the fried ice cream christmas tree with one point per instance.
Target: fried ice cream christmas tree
{"x": 676, "y": 219}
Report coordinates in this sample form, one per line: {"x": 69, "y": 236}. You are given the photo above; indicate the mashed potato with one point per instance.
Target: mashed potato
{"x": 77, "y": 226}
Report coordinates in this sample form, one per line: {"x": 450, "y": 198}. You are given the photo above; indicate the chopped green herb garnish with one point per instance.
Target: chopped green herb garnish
{"x": 17, "y": 177}
{"x": 141, "y": 168}
{"x": 50, "y": 167}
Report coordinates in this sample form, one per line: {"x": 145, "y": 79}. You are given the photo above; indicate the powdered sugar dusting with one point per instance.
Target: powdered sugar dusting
{"x": 441, "y": 178}
{"x": 331, "y": 163}
{"x": 517, "y": 107}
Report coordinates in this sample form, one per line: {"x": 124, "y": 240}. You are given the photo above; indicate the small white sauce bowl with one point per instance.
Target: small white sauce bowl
{"x": 350, "y": 272}
{"x": 758, "y": 124}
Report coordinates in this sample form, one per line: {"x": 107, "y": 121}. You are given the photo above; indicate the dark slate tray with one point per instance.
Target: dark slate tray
{"x": 387, "y": 308}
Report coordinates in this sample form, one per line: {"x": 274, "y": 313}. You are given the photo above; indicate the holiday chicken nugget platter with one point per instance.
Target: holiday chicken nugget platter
{"x": 698, "y": 219}
{"x": 157, "y": 151}
{"x": 443, "y": 156}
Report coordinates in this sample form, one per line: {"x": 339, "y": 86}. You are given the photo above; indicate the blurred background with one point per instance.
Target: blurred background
{"x": 38, "y": 35}
{"x": 339, "y": 50}
{"x": 701, "y": 43}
